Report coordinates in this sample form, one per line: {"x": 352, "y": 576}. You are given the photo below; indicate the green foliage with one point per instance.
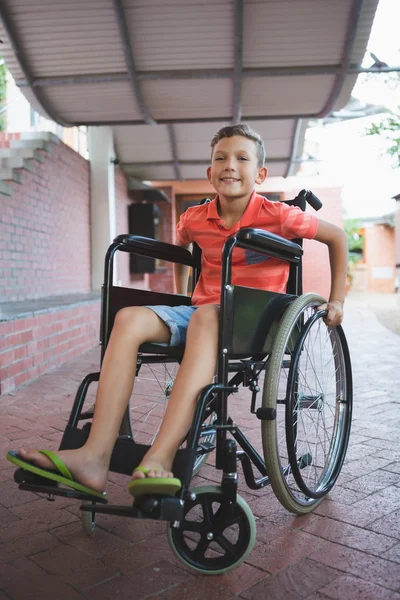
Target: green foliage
{"x": 389, "y": 127}
{"x": 355, "y": 241}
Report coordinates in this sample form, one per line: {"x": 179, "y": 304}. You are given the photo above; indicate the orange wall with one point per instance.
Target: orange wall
{"x": 380, "y": 257}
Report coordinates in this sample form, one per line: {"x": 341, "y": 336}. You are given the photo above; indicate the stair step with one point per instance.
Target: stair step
{"x": 11, "y": 175}
{"x": 21, "y": 153}
{"x": 33, "y": 144}
{"x": 45, "y": 136}
{"x": 5, "y": 189}
{"x": 17, "y": 162}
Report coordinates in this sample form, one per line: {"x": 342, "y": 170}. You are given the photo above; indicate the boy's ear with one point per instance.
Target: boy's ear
{"x": 262, "y": 175}
{"x": 209, "y": 174}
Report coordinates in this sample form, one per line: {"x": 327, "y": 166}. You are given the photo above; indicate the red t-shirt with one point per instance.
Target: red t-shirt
{"x": 202, "y": 224}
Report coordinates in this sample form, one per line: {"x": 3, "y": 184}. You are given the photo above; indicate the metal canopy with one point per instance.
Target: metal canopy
{"x": 167, "y": 75}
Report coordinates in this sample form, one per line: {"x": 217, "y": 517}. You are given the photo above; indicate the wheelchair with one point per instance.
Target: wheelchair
{"x": 277, "y": 343}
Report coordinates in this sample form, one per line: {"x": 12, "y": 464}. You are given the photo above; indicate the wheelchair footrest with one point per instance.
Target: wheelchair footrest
{"x": 162, "y": 508}
{"x": 205, "y": 448}
{"x": 54, "y": 490}
{"x": 31, "y": 482}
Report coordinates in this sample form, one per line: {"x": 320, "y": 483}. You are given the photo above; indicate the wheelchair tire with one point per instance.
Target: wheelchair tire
{"x": 309, "y": 384}
{"x": 214, "y": 537}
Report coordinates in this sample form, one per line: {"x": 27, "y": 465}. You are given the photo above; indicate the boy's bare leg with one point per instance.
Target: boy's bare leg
{"x": 89, "y": 464}
{"x": 196, "y": 371}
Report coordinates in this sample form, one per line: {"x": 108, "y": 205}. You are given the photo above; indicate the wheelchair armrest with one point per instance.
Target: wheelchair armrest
{"x": 269, "y": 243}
{"x": 137, "y": 244}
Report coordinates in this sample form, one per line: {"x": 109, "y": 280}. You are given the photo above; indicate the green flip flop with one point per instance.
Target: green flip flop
{"x": 62, "y": 475}
{"x": 167, "y": 486}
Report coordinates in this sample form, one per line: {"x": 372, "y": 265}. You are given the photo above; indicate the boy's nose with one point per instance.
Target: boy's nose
{"x": 230, "y": 164}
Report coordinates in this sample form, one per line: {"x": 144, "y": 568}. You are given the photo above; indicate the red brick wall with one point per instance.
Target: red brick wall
{"x": 32, "y": 346}
{"x": 44, "y": 228}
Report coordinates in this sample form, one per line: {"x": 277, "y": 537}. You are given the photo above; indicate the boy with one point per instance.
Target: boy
{"x": 237, "y": 164}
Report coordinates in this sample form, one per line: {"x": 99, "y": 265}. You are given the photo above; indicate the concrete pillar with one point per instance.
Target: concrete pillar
{"x": 102, "y": 199}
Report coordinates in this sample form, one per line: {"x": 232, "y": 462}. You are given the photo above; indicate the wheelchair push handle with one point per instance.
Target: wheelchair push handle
{"x": 310, "y": 197}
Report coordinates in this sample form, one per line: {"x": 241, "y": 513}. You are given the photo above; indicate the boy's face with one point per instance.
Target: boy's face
{"x": 234, "y": 167}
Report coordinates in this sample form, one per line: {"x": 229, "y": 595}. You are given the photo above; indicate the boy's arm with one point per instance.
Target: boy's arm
{"x": 336, "y": 240}
{"x": 181, "y": 274}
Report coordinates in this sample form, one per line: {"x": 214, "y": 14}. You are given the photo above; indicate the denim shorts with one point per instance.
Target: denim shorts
{"x": 176, "y": 319}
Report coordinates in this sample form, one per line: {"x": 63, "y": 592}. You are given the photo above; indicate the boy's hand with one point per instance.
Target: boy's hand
{"x": 335, "y": 312}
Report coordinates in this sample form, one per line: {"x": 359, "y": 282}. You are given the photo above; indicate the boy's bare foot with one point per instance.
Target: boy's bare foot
{"x": 85, "y": 469}
{"x": 157, "y": 469}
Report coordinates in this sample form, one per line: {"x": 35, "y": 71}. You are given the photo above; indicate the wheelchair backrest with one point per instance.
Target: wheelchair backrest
{"x": 295, "y": 282}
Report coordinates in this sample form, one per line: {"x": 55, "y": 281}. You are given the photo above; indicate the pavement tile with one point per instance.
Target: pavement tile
{"x": 267, "y": 531}
{"x": 11, "y": 495}
{"x": 296, "y": 582}
{"x": 341, "y": 494}
{"x": 238, "y": 580}
{"x": 380, "y": 444}
{"x": 37, "y": 522}
{"x": 393, "y": 554}
{"x": 142, "y": 554}
{"x": 348, "y": 586}
{"x": 156, "y": 579}
{"x": 197, "y": 589}
{"x": 378, "y": 505}
{"x": 76, "y": 568}
{"x": 393, "y": 454}
{"x": 27, "y": 546}
{"x": 377, "y": 480}
{"x": 371, "y": 568}
{"x": 135, "y": 531}
{"x": 348, "y": 535}
{"x": 41, "y": 587}
{"x": 393, "y": 467}
{"x": 40, "y": 503}
{"x": 388, "y": 525}
{"x": 6, "y": 517}
{"x": 42, "y": 432}
{"x": 3, "y": 476}
{"x": 23, "y": 579}
{"x": 98, "y": 545}
{"x": 368, "y": 464}
{"x": 283, "y": 551}
{"x": 353, "y": 515}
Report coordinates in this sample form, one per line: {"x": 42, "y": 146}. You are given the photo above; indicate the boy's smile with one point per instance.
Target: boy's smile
{"x": 234, "y": 168}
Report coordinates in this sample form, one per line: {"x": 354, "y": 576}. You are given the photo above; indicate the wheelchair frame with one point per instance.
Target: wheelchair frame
{"x": 235, "y": 354}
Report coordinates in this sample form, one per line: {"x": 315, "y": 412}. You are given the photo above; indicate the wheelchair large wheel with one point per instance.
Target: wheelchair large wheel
{"x": 152, "y": 389}
{"x": 214, "y": 536}
{"x": 309, "y": 384}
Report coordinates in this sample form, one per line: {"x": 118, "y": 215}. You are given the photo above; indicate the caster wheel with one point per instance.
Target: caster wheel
{"x": 88, "y": 519}
{"x": 213, "y": 537}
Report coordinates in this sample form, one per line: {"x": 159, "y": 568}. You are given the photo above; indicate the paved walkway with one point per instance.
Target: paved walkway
{"x": 349, "y": 548}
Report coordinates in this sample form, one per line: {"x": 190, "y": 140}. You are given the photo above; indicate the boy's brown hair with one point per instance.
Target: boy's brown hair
{"x": 245, "y": 131}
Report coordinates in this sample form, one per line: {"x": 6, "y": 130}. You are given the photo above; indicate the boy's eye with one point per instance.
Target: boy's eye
{"x": 244, "y": 158}
{"x": 219, "y": 158}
